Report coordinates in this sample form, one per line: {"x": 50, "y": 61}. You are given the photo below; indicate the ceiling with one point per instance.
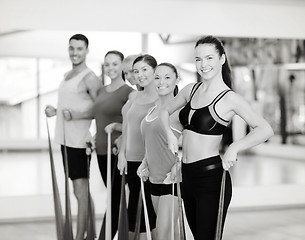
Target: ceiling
{"x": 51, "y": 22}
{"x": 237, "y": 18}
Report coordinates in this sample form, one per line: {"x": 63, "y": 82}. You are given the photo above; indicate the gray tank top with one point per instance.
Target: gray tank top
{"x": 134, "y": 144}
{"x": 159, "y": 158}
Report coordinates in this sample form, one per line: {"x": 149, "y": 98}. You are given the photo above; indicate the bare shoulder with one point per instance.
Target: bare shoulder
{"x": 90, "y": 77}
{"x": 187, "y": 89}
{"x": 234, "y": 97}
{"x": 68, "y": 74}
{"x": 92, "y": 81}
{"x": 235, "y": 101}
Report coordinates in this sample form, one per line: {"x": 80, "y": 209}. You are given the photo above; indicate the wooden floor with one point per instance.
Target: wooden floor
{"x": 268, "y": 196}
{"x": 279, "y": 224}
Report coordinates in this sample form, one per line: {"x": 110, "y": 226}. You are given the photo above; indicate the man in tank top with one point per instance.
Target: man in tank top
{"x": 76, "y": 92}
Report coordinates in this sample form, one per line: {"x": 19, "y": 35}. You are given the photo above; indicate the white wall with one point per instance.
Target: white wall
{"x": 247, "y": 18}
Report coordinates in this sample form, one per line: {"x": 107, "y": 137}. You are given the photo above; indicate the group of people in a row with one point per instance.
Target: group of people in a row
{"x": 145, "y": 123}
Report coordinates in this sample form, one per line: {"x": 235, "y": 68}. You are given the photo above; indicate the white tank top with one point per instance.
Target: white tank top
{"x": 70, "y": 97}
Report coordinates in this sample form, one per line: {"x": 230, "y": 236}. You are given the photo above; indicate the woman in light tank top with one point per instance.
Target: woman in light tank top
{"x": 159, "y": 164}
{"x": 132, "y": 149}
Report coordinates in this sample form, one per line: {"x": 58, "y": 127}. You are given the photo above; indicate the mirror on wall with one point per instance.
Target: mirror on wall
{"x": 270, "y": 74}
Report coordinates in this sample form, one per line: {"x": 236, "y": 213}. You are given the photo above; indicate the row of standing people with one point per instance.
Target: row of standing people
{"x": 152, "y": 121}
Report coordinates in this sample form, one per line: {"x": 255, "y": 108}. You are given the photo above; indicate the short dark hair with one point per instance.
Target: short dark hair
{"x": 80, "y": 37}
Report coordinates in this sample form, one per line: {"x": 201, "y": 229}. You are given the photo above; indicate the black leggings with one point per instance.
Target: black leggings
{"x": 134, "y": 184}
{"x": 201, "y": 191}
{"x": 115, "y": 188}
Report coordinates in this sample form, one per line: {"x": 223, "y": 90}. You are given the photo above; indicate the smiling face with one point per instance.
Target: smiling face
{"x": 165, "y": 80}
{"x": 113, "y": 66}
{"x": 208, "y": 62}
{"x": 77, "y": 51}
{"x": 143, "y": 73}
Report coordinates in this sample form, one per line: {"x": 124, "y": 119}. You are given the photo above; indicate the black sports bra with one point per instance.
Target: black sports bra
{"x": 203, "y": 120}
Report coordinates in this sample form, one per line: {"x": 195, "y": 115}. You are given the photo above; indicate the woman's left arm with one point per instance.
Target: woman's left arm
{"x": 259, "y": 133}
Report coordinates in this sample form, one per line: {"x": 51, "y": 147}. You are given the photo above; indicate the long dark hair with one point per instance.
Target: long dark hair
{"x": 148, "y": 59}
{"x": 226, "y": 69}
{"x": 115, "y": 52}
{"x": 176, "y": 90}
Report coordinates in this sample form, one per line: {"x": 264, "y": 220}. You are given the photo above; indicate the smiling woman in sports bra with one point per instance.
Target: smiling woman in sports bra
{"x": 207, "y": 109}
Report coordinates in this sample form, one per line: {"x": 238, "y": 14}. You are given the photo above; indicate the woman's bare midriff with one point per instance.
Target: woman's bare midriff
{"x": 197, "y": 146}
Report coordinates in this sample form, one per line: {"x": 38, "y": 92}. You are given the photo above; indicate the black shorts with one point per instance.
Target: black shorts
{"x": 77, "y": 162}
{"x": 162, "y": 189}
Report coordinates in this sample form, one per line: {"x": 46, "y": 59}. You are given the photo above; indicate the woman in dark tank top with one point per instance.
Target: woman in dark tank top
{"x": 207, "y": 109}
{"x": 106, "y": 111}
